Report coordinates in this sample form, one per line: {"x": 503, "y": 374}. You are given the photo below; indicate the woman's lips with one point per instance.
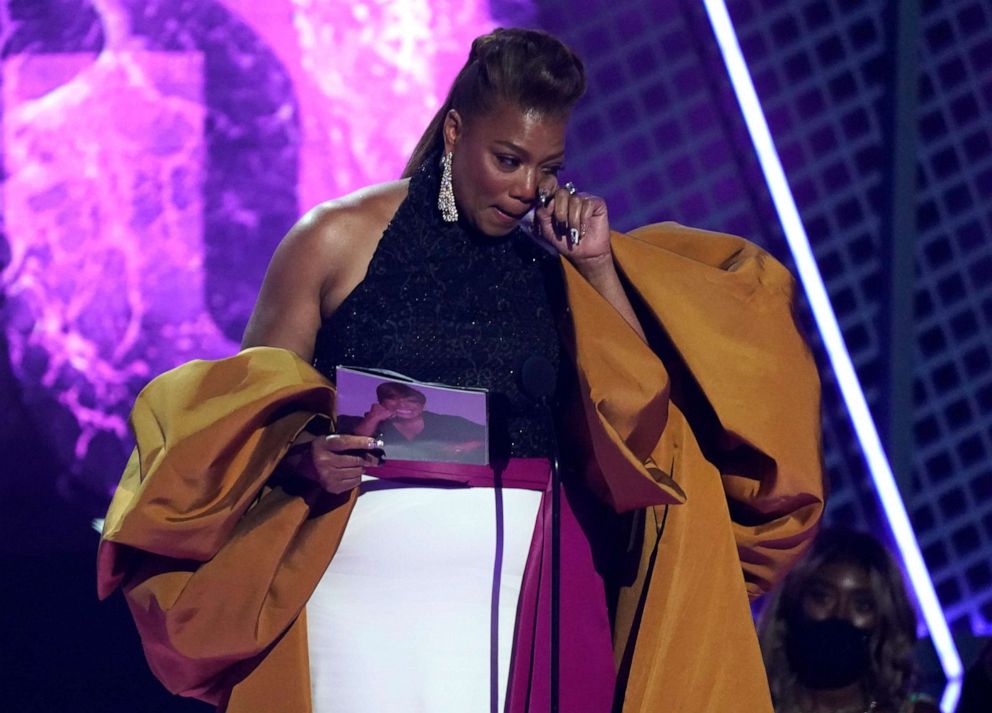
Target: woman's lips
{"x": 506, "y": 217}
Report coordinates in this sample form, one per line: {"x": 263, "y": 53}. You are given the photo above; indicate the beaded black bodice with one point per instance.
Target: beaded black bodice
{"x": 443, "y": 304}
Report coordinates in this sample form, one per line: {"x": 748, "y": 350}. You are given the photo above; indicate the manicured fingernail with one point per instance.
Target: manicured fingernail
{"x": 377, "y": 444}
{"x": 573, "y": 236}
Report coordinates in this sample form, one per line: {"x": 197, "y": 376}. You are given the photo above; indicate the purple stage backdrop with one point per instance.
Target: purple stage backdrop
{"x": 154, "y": 152}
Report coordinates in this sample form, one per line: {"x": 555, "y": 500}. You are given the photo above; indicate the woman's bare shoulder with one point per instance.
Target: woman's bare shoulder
{"x": 352, "y": 219}
{"x": 337, "y": 238}
{"x": 317, "y": 264}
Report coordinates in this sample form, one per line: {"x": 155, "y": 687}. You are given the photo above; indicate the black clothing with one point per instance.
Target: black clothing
{"x": 441, "y": 303}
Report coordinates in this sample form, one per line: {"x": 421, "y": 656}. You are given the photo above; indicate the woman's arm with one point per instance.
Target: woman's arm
{"x": 578, "y": 227}
{"x": 603, "y": 276}
{"x": 369, "y": 424}
{"x": 319, "y": 262}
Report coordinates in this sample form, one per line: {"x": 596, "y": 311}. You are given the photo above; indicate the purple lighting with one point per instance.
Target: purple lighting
{"x": 103, "y": 209}
{"x": 155, "y": 152}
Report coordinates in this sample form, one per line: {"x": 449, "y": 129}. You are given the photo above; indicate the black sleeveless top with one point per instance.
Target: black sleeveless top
{"x": 442, "y": 303}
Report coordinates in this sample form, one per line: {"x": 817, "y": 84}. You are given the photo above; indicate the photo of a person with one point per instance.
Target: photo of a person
{"x": 410, "y": 432}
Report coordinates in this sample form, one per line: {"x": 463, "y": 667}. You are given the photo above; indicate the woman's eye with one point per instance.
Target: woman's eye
{"x": 552, "y": 170}
{"x": 508, "y": 161}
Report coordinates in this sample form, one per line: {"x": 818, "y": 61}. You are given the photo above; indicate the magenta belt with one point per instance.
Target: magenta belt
{"x": 588, "y": 676}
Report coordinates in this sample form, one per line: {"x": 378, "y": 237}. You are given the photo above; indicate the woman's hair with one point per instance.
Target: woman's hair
{"x": 398, "y": 390}
{"x": 892, "y": 670}
{"x": 528, "y": 69}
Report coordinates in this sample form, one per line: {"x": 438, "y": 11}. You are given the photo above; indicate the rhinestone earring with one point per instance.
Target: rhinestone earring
{"x": 446, "y": 196}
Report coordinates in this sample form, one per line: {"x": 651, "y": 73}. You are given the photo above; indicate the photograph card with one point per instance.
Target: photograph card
{"x": 416, "y": 421}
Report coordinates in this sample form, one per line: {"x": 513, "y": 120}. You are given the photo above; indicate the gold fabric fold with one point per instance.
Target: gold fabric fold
{"x": 710, "y": 431}
{"x": 715, "y": 430}
{"x": 215, "y": 564}
{"x": 727, "y": 307}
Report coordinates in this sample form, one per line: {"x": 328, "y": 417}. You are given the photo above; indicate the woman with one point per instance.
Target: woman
{"x": 839, "y": 635}
{"x": 688, "y": 413}
{"x": 408, "y": 431}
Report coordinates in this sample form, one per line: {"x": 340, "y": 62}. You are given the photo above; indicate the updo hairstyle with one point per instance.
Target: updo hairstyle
{"x": 528, "y": 69}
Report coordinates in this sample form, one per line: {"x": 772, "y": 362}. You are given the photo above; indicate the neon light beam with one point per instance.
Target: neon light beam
{"x": 840, "y": 360}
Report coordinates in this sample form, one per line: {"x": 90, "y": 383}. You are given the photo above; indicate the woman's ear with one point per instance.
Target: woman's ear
{"x": 453, "y": 127}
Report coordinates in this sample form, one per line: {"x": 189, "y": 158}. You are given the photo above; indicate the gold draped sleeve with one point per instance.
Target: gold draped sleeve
{"x": 716, "y": 432}
{"x": 712, "y": 436}
{"x": 216, "y": 564}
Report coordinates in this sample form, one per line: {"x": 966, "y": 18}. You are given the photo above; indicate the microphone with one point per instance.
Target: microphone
{"x": 537, "y": 378}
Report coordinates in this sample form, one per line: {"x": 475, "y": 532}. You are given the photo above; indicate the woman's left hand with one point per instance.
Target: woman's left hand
{"x": 575, "y": 224}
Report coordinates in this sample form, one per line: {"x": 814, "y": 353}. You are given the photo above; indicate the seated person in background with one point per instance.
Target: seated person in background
{"x": 409, "y": 432}
{"x": 838, "y": 635}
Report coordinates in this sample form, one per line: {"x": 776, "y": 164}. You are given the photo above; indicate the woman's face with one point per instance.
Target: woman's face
{"x": 841, "y": 590}
{"x": 500, "y": 159}
{"x": 403, "y": 408}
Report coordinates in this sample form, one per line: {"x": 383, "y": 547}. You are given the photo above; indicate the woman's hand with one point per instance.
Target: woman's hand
{"x": 336, "y": 462}
{"x": 576, "y": 225}
{"x": 369, "y": 424}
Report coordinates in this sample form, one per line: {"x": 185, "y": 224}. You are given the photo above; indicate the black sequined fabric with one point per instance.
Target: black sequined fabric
{"x": 441, "y": 303}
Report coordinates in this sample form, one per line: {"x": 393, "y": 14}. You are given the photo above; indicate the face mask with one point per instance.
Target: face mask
{"x": 831, "y": 653}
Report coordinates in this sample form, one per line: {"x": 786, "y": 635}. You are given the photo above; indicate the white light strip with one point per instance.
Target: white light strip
{"x": 952, "y": 692}
{"x": 840, "y": 360}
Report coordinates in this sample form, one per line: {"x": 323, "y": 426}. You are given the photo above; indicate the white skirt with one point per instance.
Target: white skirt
{"x": 406, "y": 618}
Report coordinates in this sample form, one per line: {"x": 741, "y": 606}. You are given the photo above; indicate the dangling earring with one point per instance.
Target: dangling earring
{"x": 446, "y": 196}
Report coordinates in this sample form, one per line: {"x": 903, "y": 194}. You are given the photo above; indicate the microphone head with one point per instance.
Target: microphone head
{"x": 537, "y": 377}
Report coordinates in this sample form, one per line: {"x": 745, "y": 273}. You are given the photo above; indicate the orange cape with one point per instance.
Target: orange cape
{"x": 711, "y": 435}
